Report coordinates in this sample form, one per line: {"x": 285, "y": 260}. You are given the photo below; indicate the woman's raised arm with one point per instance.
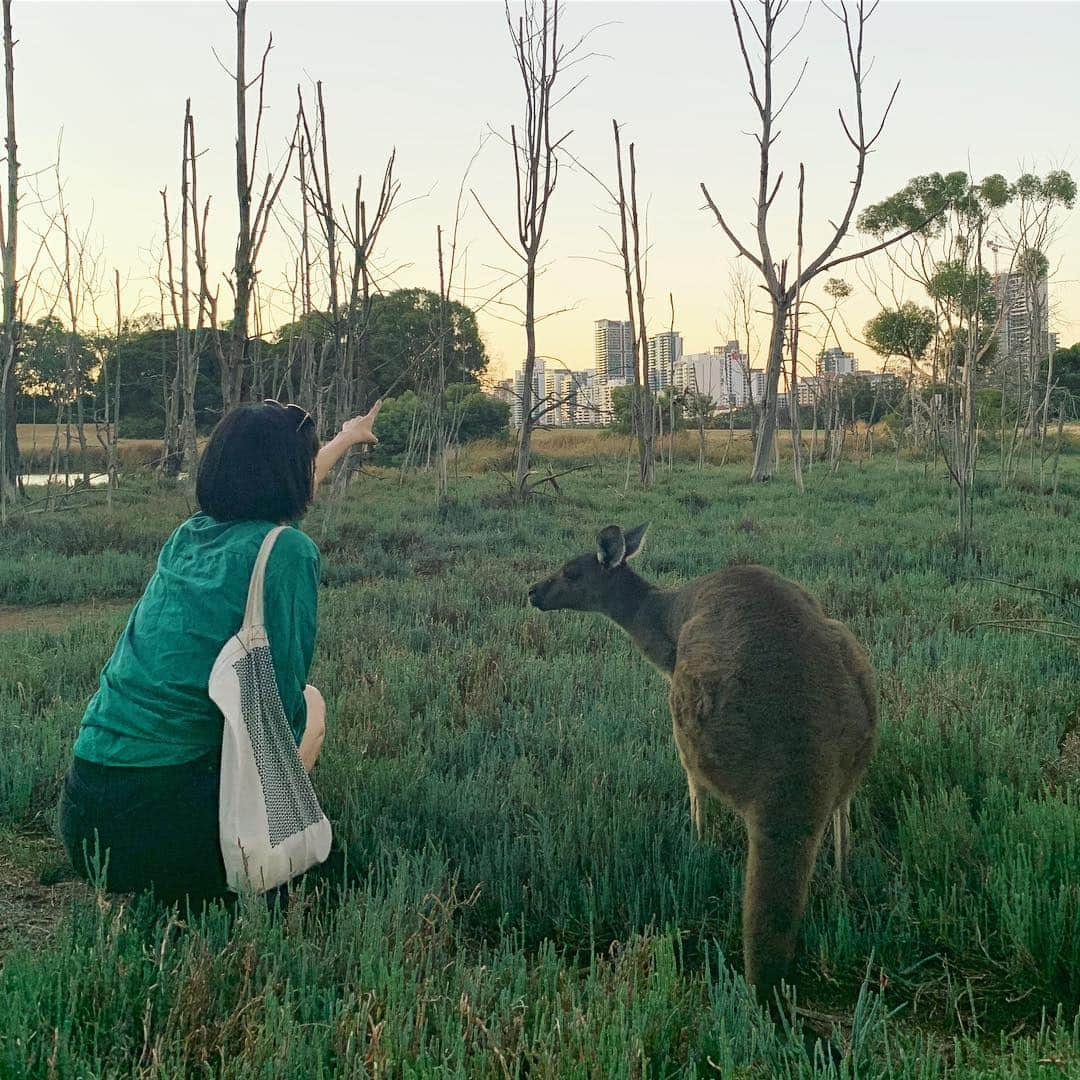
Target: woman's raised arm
{"x": 355, "y": 432}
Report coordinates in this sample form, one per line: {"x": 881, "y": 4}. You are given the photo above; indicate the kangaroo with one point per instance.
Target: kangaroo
{"x": 774, "y": 711}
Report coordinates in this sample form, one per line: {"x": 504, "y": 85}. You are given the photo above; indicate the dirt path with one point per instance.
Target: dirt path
{"x": 55, "y": 617}
{"x": 29, "y": 910}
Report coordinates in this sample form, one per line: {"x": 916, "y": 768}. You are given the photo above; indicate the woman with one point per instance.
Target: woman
{"x": 139, "y": 805}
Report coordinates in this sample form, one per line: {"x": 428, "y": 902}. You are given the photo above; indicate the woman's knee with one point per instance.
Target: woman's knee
{"x": 316, "y": 714}
{"x": 315, "y": 729}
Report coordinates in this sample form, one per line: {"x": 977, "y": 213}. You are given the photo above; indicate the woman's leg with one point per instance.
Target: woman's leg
{"x": 315, "y": 732}
{"x": 140, "y": 829}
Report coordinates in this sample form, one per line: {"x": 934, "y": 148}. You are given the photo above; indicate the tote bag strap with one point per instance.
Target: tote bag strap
{"x": 253, "y": 613}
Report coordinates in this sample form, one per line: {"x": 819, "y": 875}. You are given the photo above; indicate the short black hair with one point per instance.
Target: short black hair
{"x": 259, "y": 465}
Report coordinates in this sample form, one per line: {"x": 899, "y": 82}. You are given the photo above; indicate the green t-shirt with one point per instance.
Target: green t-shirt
{"x": 153, "y": 706}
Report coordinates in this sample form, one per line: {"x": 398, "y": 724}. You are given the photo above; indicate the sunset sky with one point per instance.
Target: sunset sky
{"x": 990, "y": 86}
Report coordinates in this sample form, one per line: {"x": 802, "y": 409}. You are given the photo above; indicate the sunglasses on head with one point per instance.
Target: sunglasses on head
{"x": 305, "y": 416}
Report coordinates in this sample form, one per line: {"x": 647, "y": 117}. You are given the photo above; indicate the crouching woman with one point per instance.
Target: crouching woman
{"x": 139, "y": 805}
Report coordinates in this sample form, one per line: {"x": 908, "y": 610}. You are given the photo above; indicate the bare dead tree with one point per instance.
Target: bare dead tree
{"x": 793, "y": 345}
{"x": 207, "y": 315}
{"x": 254, "y": 215}
{"x": 634, "y": 280}
{"x": 541, "y": 58}
{"x": 671, "y": 386}
{"x": 77, "y": 272}
{"x": 112, "y": 418}
{"x": 740, "y": 313}
{"x": 319, "y": 197}
{"x": 440, "y": 422}
{"x": 302, "y": 346}
{"x": 9, "y": 232}
{"x": 107, "y": 396}
{"x": 341, "y": 368}
{"x": 171, "y": 389}
{"x": 439, "y": 425}
{"x": 362, "y": 234}
{"x": 781, "y": 287}
{"x": 195, "y": 220}
{"x": 180, "y": 440}
{"x": 187, "y": 352}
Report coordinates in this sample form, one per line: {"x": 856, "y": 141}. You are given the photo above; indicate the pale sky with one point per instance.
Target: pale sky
{"x": 984, "y": 84}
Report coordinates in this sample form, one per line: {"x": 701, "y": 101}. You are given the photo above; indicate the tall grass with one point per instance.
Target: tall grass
{"x": 523, "y": 892}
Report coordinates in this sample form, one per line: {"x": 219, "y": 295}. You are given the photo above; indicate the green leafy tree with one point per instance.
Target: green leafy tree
{"x": 473, "y": 414}
{"x": 398, "y": 419}
{"x": 404, "y": 338}
{"x": 1067, "y": 369}
{"x": 932, "y": 199}
{"x": 476, "y": 415}
{"x": 867, "y": 400}
{"x": 147, "y": 357}
{"x": 964, "y": 290}
{"x": 402, "y": 342}
{"x": 670, "y": 402}
{"x": 622, "y": 407}
{"x": 700, "y": 408}
{"x": 42, "y": 365}
{"x": 905, "y": 331}
{"x": 1056, "y": 187}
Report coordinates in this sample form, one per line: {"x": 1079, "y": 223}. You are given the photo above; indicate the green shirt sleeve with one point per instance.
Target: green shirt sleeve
{"x": 291, "y": 598}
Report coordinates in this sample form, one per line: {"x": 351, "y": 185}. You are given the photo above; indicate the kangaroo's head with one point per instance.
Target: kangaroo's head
{"x": 593, "y": 581}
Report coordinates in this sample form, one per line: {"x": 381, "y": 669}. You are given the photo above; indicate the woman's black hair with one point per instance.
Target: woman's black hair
{"x": 259, "y": 465}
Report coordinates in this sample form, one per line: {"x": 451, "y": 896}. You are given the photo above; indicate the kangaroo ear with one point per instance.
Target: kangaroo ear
{"x": 611, "y": 547}
{"x": 635, "y": 540}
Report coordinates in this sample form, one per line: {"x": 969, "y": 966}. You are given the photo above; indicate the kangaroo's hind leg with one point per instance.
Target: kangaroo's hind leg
{"x": 696, "y": 795}
{"x": 841, "y": 825}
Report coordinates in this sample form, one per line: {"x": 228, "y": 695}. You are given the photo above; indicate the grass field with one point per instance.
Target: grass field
{"x": 525, "y": 895}
{"x": 36, "y": 441}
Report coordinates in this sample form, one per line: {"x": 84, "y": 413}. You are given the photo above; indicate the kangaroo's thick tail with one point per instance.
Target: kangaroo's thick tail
{"x": 779, "y": 865}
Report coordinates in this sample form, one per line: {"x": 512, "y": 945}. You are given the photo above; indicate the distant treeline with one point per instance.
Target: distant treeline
{"x": 412, "y": 344}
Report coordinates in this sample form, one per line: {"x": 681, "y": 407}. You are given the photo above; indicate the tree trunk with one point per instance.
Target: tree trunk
{"x": 112, "y": 420}
{"x": 191, "y": 343}
{"x": 521, "y": 474}
{"x": 232, "y": 372}
{"x": 763, "y": 451}
{"x": 9, "y": 442}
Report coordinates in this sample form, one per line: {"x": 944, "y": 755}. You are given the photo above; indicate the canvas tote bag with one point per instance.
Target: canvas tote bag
{"x": 272, "y": 827}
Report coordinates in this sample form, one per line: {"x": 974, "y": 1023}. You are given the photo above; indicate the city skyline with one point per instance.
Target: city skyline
{"x": 563, "y": 396}
{"x": 688, "y": 117}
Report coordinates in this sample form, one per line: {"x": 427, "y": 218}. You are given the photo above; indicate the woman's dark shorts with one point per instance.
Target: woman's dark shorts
{"x": 140, "y": 829}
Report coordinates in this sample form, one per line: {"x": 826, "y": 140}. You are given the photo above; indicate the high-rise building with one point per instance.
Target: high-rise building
{"x": 614, "y": 352}
{"x": 568, "y": 398}
{"x": 504, "y": 391}
{"x": 722, "y": 374}
{"x": 561, "y": 397}
{"x": 737, "y": 373}
{"x": 736, "y": 367}
{"x": 702, "y": 373}
{"x": 1023, "y": 334}
{"x": 884, "y": 381}
{"x": 665, "y": 351}
{"x": 557, "y": 387}
{"x": 539, "y": 384}
{"x": 812, "y": 389}
{"x": 756, "y": 380}
{"x": 835, "y": 361}
{"x": 585, "y": 406}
